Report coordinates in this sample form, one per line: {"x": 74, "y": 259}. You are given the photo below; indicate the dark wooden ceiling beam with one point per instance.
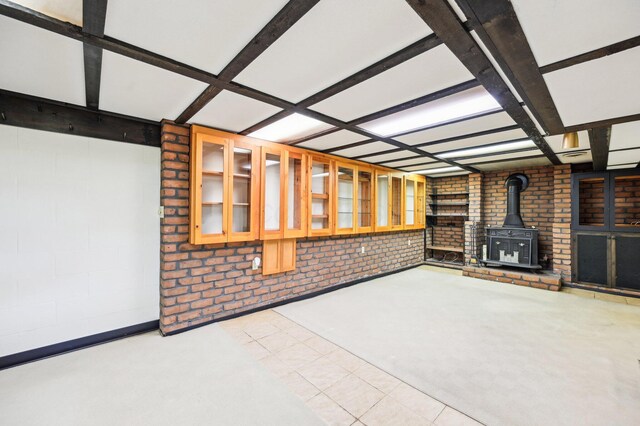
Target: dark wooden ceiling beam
{"x": 403, "y": 55}
{"x": 591, "y": 55}
{"x": 439, "y": 16}
{"x": 499, "y": 29}
{"x": 44, "y": 114}
{"x": 279, "y": 24}
{"x": 603, "y": 123}
{"x": 94, "y": 15}
{"x": 599, "y": 139}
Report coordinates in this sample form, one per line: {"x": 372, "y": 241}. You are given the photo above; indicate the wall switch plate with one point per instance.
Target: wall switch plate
{"x": 409, "y": 242}
{"x": 255, "y": 264}
{"x": 161, "y": 212}
{"x": 362, "y": 249}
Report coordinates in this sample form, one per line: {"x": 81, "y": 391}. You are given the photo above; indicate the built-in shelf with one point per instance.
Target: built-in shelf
{"x": 241, "y": 176}
{"x": 241, "y": 204}
{"x": 321, "y": 196}
{"x": 319, "y": 216}
{"x": 212, "y": 173}
{"x": 212, "y": 203}
{"x": 447, "y": 248}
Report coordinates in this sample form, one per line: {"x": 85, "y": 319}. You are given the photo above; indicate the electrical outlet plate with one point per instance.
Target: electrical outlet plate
{"x": 362, "y": 249}
{"x": 161, "y": 212}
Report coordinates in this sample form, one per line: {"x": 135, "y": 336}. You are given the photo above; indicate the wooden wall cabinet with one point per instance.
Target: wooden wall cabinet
{"x": 345, "y": 202}
{"x": 223, "y": 190}
{"x": 414, "y": 202}
{"x": 321, "y": 175}
{"x": 382, "y": 200}
{"x": 295, "y": 195}
{"x": 278, "y": 256}
{"x": 365, "y": 190}
{"x": 397, "y": 201}
{"x": 273, "y": 187}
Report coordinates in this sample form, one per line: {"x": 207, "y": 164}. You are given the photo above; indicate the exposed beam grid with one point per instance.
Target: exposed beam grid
{"x": 94, "y": 15}
{"x": 439, "y": 16}
{"x": 403, "y": 55}
{"x": 284, "y": 19}
{"x": 599, "y": 139}
{"x": 497, "y": 25}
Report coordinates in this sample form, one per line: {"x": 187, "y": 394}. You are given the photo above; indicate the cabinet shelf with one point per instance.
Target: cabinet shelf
{"x": 241, "y": 176}
{"x": 320, "y": 196}
{"x": 241, "y": 204}
{"x": 212, "y": 173}
{"x": 212, "y": 203}
{"x": 319, "y": 216}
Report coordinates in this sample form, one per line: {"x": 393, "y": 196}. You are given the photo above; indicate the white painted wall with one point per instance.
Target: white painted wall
{"x": 79, "y": 237}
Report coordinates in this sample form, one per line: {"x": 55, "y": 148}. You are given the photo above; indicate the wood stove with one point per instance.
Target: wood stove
{"x": 513, "y": 244}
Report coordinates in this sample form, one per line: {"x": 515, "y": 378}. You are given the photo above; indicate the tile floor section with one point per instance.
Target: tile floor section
{"x": 339, "y": 387}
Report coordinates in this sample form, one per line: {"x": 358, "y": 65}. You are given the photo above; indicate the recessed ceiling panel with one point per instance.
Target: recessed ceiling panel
{"x": 469, "y": 103}
{"x": 64, "y": 10}
{"x": 202, "y": 33}
{"x": 433, "y": 165}
{"x": 370, "y": 148}
{"x": 404, "y": 163}
{"x": 596, "y": 90}
{"x": 625, "y": 135}
{"x": 335, "y": 39}
{"x": 388, "y": 157}
{"x": 624, "y": 157}
{"x": 233, "y": 112}
{"x": 555, "y": 142}
{"x": 474, "y": 125}
{"x": 134, "y": 88}
{"x": 427, "y": 73}
{"x": 40, "y": 63}
{"x": 515, "y": 164}
{"x": 558, "y": 30}
{"x": 516, "y": 155}
{"x": 290, "y": 128}
{"x": 622, "y": 167}
{"x": 332, "y": 140}
{"x": 507, "y": 135}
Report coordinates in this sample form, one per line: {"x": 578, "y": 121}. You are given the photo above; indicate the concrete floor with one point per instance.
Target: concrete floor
{"x": 419, "y": 347}
{"x": 499, "y": 353}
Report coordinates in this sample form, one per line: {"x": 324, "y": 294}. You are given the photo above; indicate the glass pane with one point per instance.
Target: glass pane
{"x": 345, "y": 198}
{"x": 627, "y": 201}
{"x": 320, "y": 175}
{"x": 409, "y": 202}
{"x": 364, "y": 199}
{"x": 591, "y": 193}
{"x": 272, "y": 193}
{"x": 396, "y": 201}
{"x": 420, "y": 204}
{"x": 212, "y": 219}
{"x": 383, "y": 200}
{"x": 240, "y": 221}
{"x": 212, "y": 157}
{"x": 294, "y": 188}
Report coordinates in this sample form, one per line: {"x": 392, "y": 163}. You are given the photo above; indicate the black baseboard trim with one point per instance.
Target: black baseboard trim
{"x": 294, "y": 299}
{"x": 605, "y": 290}
{"x": 31, "y": 355}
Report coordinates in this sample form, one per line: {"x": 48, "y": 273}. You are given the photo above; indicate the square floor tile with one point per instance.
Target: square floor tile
{"x": 391, "y": 412}
{"x": 277, "y": 341}
{"x": 329, "y": 411}
{"x": 451, "y": 417}
{"x": 298, "y": 355}
{"x": 300, "y": 386}
{"x": 354, "y": 395}
{"x": 377, "y": 378}
{"x": 322, "y": 373}
{"x": 345, "y": 359}
{"x": 321, "y": 345}
{"x": 256, "y": 350}
{"x": 417, "y": 401}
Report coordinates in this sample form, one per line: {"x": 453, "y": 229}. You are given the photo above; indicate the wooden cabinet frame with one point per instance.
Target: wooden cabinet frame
{"x": 363, "y": 205}
{"x": 376, "y": 195}
{"x": 418, "y": 198}
{"x": 337, "y": 198}
{"x": 254, "y": 195}
{"x": 396, "y": 199}
{"x": 270, "y": 234}
{"x": 327, "y": 196}
{"x": 300, "y": 192}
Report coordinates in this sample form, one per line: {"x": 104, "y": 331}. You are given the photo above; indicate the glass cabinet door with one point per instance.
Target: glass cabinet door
{"x": 209, "y": 192}
{"x": 243, "y": 207}
{"x": 365, "y": 199}
{"x": 345, "y": 195}
{"x": 396, "y": 201}
{"x": 320, "y": 200}
{"x": 421, "y": 203}
{"x": 272, "y": 189}
{"x": 296, "y": 221}
{"x": 409, "y": 202}
{"x": 383, "y": 200}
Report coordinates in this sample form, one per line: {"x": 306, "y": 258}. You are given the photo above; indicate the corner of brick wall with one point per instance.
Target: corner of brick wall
{"x": 562, "y": 221}
{"x": 200, "y": 284}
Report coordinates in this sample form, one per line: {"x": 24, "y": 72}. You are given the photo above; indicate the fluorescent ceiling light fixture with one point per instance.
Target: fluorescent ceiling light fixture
{"x": 438, "y": 170}
{"x": 510, "y": 146}
{"x": 291, "y": 127}
{"x": 460, "y": 105}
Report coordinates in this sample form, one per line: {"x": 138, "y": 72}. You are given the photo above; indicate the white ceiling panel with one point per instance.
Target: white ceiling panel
{"x": 468, "y": 103}
{"x": 233, "y": 112}
{"x": 516, "y": 164}
{"x": 202, "y": 33}
{"x": 370, "y": 148}
{"x": 134, "y": 88}
{"x": 596, "y": 90}
{"x": 624, "y": 157}
{"x": 507, "y": 135}
{"x": 335, "y": 39}
{"x": 555, "y": 142}
{"x": 441, "y": 175}
{"x": 474, "y": 125}
{"x": 516, "y": 155}
{"x": 558, "y": 30}
{"x": 427, "y": 73}
{"x": 388, "y": 157}
{"x": 625, "y": 135}
{"x": 40, "y": 63}
{"x": 290, "y": 128}
{"x": 64, "y": 10}
{"x": 622, "y": 166}
{"x": 332, "y": 140}
{"x": 403, "y": 163}
{"x": 434, "y": 165}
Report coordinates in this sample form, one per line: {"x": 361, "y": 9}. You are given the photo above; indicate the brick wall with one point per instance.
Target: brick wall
{"x": 450, "y": 230}
{"x": 591, "y": 195}
{"x": 627, "y": 200}
{"x": 562, "y": 221}
{"x": 203, "y": 283}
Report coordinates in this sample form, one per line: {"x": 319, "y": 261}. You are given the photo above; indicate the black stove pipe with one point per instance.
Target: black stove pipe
{"x": 515, "y": 184}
